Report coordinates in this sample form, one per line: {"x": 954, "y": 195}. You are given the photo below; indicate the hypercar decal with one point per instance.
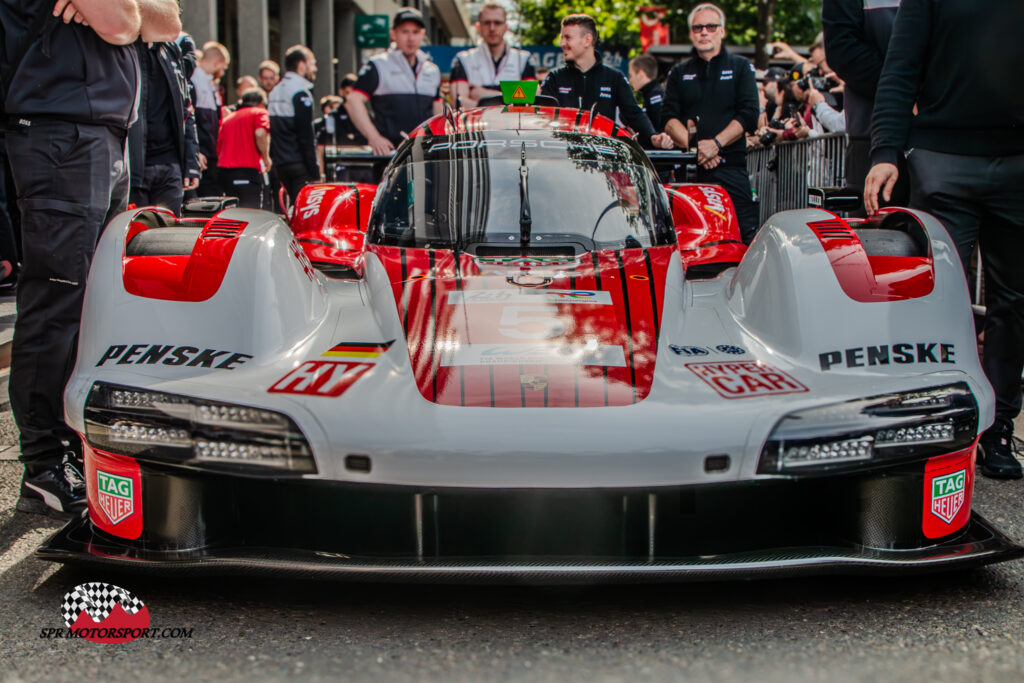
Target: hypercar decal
{"x": 358, "y": 349}
{"x": 745, "y": 379}
{"x": 588, "y": 339}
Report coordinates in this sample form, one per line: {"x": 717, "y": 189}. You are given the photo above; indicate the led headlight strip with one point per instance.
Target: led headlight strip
{"x": 872, "y": 431}
{"x": 193, "y": 432}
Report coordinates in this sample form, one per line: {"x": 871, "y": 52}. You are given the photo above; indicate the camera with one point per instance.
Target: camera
{"x": 817, "y": 82}
{"x": 768, "y": 137}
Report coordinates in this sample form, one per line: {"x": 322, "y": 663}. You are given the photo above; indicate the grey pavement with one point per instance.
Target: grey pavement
{"x": 963, "y": 626}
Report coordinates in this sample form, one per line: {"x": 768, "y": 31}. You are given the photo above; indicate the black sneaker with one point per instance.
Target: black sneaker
{"x": 997, "y": 453}
{"x": 57, "y": 491}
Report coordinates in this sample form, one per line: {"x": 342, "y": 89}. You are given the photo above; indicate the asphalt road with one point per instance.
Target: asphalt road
{"x": 952, "y": 627}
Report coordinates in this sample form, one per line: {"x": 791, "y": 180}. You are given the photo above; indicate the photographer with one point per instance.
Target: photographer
{"x": 813, "y": 99}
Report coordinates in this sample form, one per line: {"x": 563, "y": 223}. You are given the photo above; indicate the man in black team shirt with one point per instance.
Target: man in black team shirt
{"x": 66, "y": 143}
{"x": 716, "y": 92}
{"x": 162, "y": 143}
{"x": 643, "y": 71}
{"x": 586, "y": 83}
{"x": 966, "y": 165}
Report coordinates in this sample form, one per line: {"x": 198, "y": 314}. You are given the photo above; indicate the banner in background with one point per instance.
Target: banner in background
{"x": 652, "y": 30}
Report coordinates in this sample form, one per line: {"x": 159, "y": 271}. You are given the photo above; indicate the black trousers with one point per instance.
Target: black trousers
{"x": 736, "y": 182}
{"x": 71, "y": 180}
{"x": 979, "y": 198}
{"x": 161, "y": 186}
{"x": 244, "y": 183}
{"x": 293, "y": 177}
{"x": 209, "y": 186}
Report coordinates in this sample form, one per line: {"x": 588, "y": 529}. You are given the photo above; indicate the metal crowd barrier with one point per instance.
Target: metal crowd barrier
{"x": 781, "y": 173}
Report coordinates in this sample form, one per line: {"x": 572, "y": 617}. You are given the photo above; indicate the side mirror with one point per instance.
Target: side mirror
{"x": 835, "y": 199}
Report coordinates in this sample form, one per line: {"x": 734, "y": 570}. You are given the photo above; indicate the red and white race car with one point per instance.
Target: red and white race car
{"x": 522, "y": 357}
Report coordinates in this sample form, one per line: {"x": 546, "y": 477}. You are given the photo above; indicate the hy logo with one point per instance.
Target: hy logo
{"x": 104, "y": 613}
{"x": 948, "y": 493}
{"x": 115, "y": 496}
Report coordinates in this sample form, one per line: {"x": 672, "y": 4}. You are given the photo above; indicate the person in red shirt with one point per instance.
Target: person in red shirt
{"x": 243, "y": 150}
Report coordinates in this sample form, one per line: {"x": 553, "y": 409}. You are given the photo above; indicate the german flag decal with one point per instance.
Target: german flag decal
{"x": 358, "y": 349}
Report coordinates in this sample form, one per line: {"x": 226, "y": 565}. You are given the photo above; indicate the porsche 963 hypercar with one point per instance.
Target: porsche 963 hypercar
{"x": 521, "y": 357}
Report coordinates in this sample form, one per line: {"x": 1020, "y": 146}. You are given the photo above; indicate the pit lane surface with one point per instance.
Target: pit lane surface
{"x": 963, "y": 626}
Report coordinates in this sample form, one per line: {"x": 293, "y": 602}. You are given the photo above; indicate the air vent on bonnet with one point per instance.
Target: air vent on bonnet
{"x": 832, "y": 230}
{"x": 222, "y": 229}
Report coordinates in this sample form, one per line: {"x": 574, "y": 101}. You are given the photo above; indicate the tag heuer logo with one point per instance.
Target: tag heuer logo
{"x": 948, "y": 495}
{"x": 115, "y": 496}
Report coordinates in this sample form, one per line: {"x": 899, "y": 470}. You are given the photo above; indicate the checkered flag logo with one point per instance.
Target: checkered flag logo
{"x": 98, "y": 601}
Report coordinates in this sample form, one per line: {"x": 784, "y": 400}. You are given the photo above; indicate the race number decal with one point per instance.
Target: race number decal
{"x": 745, "y": 380}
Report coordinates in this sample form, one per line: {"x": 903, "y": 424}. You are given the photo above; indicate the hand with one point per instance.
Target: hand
{"x": 202, "y": 162}
{"x": 814, "y": 96}
{"x": 706, "y": 150}
{"x": 381, "y": 146}
{"x": 711, "y": 163}
{"x": 190, "y": 183}
{"x": 68, "y": 12}
{"x": 267, "y": 163}
{"x": 662, "y": 141}
{"x": 881, "y": 177}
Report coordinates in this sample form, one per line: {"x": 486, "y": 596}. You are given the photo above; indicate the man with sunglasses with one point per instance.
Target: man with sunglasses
{"x": 476, "y": 73}
{"x": 710, "y": 100}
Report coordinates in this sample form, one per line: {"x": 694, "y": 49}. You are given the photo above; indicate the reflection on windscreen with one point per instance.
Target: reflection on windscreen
{"x": 599, "y": 201}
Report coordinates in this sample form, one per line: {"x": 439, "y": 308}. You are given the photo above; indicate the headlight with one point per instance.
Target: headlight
{"x": 868, "y": 432}
{"x": 168, "y": 428}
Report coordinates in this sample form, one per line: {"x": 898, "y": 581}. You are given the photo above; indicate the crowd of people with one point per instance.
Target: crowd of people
{"x": 157, "y": 130}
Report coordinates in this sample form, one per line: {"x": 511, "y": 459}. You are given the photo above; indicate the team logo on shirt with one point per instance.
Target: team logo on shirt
{"x": 689, "y": 77}
{"x": 656, "y": 99}
{"x": 726, "y": 75}
{"x": 564, "y": 91}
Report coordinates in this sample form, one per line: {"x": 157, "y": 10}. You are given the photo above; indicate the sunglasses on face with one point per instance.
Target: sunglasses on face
{"x": 699, "y": 28}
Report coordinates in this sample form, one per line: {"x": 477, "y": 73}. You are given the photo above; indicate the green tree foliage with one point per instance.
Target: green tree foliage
{"x": 795, "y": 21}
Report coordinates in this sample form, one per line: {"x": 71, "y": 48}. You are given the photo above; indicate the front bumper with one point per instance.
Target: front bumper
{"x": 979, "y": 545}
{"x": 191, "y": 522}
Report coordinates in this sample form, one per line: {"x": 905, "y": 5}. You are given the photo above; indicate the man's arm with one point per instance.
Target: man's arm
{"x": 854, "y": 59}
{"x": 672, "y": 112}
{"x": 630, "y": 111}
{"x": 831, "y": 120}
{"x": 355, "y": 105}
{"x": 303, "y": 104}
{"x": 160, "y": 20}
{"x": 262, "y": 136}
{"x": 115, "y": 21}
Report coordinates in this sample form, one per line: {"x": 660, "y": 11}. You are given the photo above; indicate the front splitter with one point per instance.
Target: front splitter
{"x": 982, "y": 544}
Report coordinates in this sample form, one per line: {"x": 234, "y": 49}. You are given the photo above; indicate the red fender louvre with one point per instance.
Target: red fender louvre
{"x": 191, "y": 277}
{"x": 867, "y": 278}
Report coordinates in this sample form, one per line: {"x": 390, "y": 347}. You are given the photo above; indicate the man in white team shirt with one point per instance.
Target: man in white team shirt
{"x": 476, "y": 73}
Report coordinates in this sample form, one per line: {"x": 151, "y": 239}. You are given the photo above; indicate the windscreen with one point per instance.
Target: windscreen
{"x": 468, "y": 191}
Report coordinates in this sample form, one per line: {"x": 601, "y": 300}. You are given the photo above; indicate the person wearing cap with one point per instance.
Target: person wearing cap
{"x": 477, "y": 72}
{"x": 402, "y": 85}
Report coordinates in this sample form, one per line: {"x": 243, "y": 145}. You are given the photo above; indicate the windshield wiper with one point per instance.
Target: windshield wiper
{"x": 525, "y": 219}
